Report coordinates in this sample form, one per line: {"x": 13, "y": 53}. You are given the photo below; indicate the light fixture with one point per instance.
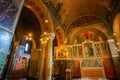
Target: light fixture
{"x": 117, "y": 40}
{"x": 46, "y": 21}
{"x": 28, "y": 37}
{"x": 44, "y": 38}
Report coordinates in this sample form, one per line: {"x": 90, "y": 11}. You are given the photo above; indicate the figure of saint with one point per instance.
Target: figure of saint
{"x": 24, "y": 63}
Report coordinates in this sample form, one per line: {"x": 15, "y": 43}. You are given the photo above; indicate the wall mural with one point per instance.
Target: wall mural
{"x": 108, "y": 67}
{"x": 41, "y": 14}
{"x": 87, "y": 35}
{"x": 76, "y": 69}
{"x": 9, "y": 9}
{"x": 59, "y": 32}
{"x": 85, "y": 20}
{"x": 5, "y": 41}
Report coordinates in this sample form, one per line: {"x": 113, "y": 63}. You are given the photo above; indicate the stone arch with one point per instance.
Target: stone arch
{"x": 89, "y": 21}
{"x": 97, "y": 28}
{"x": 116, "y": 23}
{"x": 116, "y": 30}
{"x": 42, "y": 14}
{"x": 60, "y": 35}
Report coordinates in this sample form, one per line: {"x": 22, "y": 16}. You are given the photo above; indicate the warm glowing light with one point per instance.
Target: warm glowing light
{"x": 45, "y": 41}
{"x": 44, "y": 38}
{"x": 45, "y": 33}
{"x": 116, "y": 48}
{"x": 30, "y": 38}
{"x": 28, "y": 6}
{"x": 26, "y": 37}
{"x": 29, "y": 34}
{"x": 46, "y": 21}
{"x": 118, "y": 43}
{"x": 114, "y": 33}
{"x": 47, "y": 38}
{"x": 41, "y": 39}
{"x": 42, "y": 42}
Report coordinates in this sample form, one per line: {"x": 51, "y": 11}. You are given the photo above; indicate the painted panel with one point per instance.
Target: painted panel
{"x": 108, "y": 68}
{"x": 75, "y": 52}
{"x": 80, "y": 51}
{"x": 97, "y": 49}
{"x": 88, "y": 49}
{"x": 92, "y": 73}
{"x": 105, "y": 49}
{"x": 62, "y": 52}
{"x": 8, "y": 13}
{"x": 76, "y": 69}
{"x": 5, "y": 41}
{"x": 91, "y": 63}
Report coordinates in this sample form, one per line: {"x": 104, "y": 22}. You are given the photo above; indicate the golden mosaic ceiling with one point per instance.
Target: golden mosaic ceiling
{"x": 72, "y": 9}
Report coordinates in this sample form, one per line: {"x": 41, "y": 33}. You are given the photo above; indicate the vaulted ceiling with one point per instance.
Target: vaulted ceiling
{"x": 70, "y": 10}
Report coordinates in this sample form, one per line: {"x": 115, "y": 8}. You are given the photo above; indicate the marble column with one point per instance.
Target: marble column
{"x": 49, "y": 57}
{"x": 115, "y": 56}
{"x": 46, "y": 59}
{"x": 42, "y": 63}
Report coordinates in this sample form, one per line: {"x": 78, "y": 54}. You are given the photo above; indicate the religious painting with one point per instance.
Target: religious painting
{"x": 61, "y": 52}
{"x": 22, "y": 62}
{"x": 91, "y": 63}
{"x": 68, "y": 64}
{"x": 75, "y": 52}
{"x": 21, "y": 59}
{"x": 9, "y": 11}
{"x": 69, "y": 49}
{"x": 21, "y": 49}
{"x": 88, "y": 49}
{"x": 109, "y": 68}
{"x": 97, "y": 49}
{"x": 97, "y": 62}
{"x": 80, "y": 51}
{"x": 5, "y": 42}
{"x": 76, "y": 69}
{"x": 105, "y": 49}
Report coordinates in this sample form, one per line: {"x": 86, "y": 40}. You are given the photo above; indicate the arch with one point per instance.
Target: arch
{"x": 41, "y": 12}
{"x": 116, "y": 30}
{"x": 90, "y": 20}
{"x": 60, "y": 35}
{"x": 116, "y": 24}
{"x": 27, "y": 21}
{"x": 93, "y": 28}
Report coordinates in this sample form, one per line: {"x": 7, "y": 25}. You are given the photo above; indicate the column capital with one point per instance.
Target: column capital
{"x": 51, "y": 36}
{"x": 111, "y": 40}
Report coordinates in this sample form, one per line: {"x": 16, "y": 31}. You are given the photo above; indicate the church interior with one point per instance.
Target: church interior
{"x": 59, "y": 39}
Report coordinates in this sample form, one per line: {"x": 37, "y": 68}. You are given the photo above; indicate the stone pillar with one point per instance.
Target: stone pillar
{"x": 42, "y": 63}
{"x": 112, "y": 46}
{"x": 115, "y": 56}
{"x": 46, "y": 59}
{"x": 49, "y": 57}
